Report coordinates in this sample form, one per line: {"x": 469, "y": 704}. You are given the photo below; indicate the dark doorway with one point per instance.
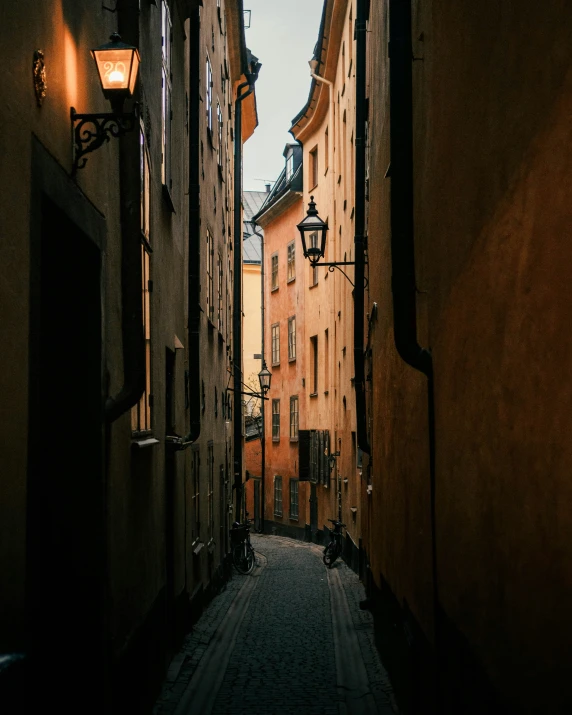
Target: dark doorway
{"x": 170, "y": 466}
{"x": 65, "y": 527}
{"x": 257, "y": 524}
{"x": 313, "y": 511}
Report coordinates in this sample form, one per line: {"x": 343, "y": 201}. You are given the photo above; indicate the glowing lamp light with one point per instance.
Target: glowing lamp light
{"x": 117, "y": 65}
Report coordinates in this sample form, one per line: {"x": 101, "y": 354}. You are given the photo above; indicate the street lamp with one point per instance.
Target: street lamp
{"x": 313, "y": 234}
{"x": 264, "y": 377}
{"x": 117, "y": 67}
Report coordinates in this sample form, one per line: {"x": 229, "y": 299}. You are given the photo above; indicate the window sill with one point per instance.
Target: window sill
{"x": 314, "y": 187}
{"x": 211, "y": 546}
{"x": 197, "y": 547}
{"x": 313, "y": 285}
{"x": 313, "y": 394}
{"x": 142, "y": 442}
{"x": 276, "y": 439}
{"x": 290, "y": 280}
{"x": 293, "y": 439}
{"x": 275, "y": 364}
{"x": 273, "y": 290}
{"x": 277, "y": 514}
{"x": 294, "y": 518}
{"x": 167, "y": 198}
{"x": 292, "y": 359}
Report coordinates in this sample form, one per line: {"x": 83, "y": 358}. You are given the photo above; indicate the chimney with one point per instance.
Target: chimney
{"x": 267, "y": 188}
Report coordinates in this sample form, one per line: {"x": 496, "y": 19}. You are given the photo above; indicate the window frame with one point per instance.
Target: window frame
{"x": 209, "y": 96}
{"x": 274, "y": 272}
{"x": 314, "y": 364}
{"x": 278, "y": 499}
{"x": 195, "y": 495}
{"x": 166, "y": 94}
{"x": 291, "y": 262}
{"x": 313, "y": 174}
{"x": 294, "y": 418}
{"x": 292, "y": 338}
{"x": 210, "y": 277}
{"x": 275, "y": 424}
{"x": 294, "y": 513}
{"x": 275, "y": 343}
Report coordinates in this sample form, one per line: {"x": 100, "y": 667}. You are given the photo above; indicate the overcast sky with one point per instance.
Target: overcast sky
{"x": 282, "y": 35}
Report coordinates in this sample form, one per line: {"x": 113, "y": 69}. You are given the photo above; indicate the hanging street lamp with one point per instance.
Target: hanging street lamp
{"x": 313, "y": 234}
{"x": 264, "y": 377}
{"x": 117, "y": 66}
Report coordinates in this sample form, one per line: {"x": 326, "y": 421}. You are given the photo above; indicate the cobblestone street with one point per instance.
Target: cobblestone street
{"x": 289, "y": 638}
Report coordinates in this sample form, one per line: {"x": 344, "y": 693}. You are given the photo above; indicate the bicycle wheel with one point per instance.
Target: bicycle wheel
{"x": 330, "y": 554}
{"x": 243, "y": 558}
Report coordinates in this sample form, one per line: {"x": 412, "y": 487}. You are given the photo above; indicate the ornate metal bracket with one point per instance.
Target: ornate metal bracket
{"x": 90, "y": 131}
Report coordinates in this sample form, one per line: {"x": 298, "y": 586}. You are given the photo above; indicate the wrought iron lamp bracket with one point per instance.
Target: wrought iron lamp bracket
{"x": 332, "y": 266}
{"x": 90, "y": 131}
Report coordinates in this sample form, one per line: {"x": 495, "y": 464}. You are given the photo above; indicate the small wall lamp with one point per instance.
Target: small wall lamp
{"x": 117, "y": 66}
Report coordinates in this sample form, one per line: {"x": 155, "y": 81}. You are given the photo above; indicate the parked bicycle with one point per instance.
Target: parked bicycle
{"x": 242, "y": 552}
{"x": 334, "y": 548}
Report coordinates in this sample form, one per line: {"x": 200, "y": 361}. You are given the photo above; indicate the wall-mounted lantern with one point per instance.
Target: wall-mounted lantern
{"x": 264, "y": 377}
{"x": 313, "y": 234}
{"x": 117, "y": 66}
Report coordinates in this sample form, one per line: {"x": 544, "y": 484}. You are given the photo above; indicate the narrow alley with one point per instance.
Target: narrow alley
{"x": 289, "y": 638}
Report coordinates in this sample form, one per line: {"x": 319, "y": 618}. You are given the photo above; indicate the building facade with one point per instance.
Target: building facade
{"x": 114, "y": 509}
{"x": 468, "y": 523}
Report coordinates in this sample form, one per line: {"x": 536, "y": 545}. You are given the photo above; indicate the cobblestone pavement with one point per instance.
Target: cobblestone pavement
{"x": 278, "y": 641}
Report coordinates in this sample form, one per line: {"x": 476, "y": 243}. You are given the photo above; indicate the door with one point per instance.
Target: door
{"x": 65, "y": 508}
{"x": 170, "y": 465}
{"x": 257, "y": 524}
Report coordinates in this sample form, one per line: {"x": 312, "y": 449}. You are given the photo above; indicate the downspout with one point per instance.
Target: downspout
{"x": 133, "y": 340}
{"x": 403, "y": 281}
{"x": 359, "y": 237}
{"x": 251, "y": 76}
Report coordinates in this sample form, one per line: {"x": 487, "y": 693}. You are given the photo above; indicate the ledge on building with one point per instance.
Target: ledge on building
{"x": 142, "y": 441}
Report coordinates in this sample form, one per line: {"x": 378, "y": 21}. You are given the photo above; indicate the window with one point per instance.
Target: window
{"x": 326, "y": 361}
{"x": 220, "y": 311}
{"x": 210, "y": 493}
{"x": 275, "y": 420}
{"x": 291, "y": 261}
{"x": 289, "y": 166}
{"x": 292, "y": 338}
{"x": 314, "y": 363}
{"x": 209, "y": 95}
{"x": 141, "y": 412}
{"x": 220, "y": 127}
{"x": 294, "y": 499}
{"x": 166, "y": 91}
{"x": 277, "y": 495}
{"x": 294, "y": 417}
{"x": 276, "y": 344}
{"x": 210, "y": 277}
{"x": 326, "y": 150}
{"x": 313, "y": 270}
{"x": 313, "y": 167}
{"x": 274, "y": 271}
{"x": 196, "y": 503}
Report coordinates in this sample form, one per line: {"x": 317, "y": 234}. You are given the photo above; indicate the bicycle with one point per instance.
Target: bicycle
{"x": 334, "y": 548}
{"x": 242, "y": 552}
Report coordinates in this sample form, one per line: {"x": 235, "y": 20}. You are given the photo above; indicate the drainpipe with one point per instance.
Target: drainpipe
{"x": 359, "y": 237}
{"x": 133, "y": 340}
{"x": 331, "y": 132}
{"x": 402, "y": 236}
{"x": 251, "y": 77}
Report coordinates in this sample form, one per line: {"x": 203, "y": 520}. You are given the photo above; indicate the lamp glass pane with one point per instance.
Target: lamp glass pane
{"x": 115, "y": 68}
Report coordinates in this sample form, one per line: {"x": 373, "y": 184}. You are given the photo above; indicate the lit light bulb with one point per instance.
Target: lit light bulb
{"x": 116, "y": 76}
